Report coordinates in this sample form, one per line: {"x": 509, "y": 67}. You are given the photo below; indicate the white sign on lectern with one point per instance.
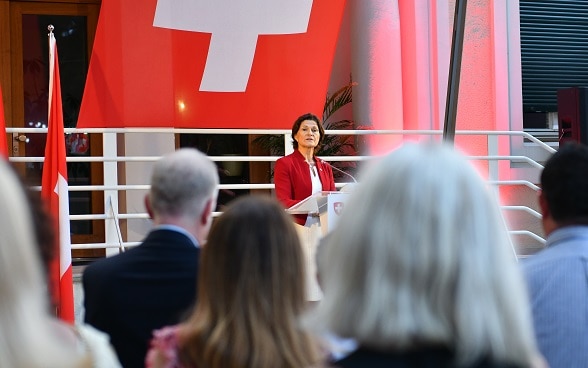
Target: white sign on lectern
{"x": 327, "y": 205}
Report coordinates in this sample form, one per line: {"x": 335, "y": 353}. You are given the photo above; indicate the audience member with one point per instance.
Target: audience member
{"x": 299, "y": 175}
{"x": 153, "y": 285}
{"x": 29, "y": 336}
{"x": 420, "y": 271}
{"x": 250, "y": 295}
{"x": 95, "y": 342}
{"x": 558, "y": 275}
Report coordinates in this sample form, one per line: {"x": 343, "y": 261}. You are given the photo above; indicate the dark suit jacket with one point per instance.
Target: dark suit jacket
{"x": 293, "y": 183}
{"x": 150, "y": 286}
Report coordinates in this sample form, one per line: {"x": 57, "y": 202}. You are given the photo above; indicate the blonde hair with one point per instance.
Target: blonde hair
{"x": 421, "y": 256}
{"x": 28, "y": 334}
{"x": 250, "y": 293}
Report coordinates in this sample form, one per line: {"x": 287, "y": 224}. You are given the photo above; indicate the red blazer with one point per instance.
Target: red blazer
{"x": 292, "y": 179}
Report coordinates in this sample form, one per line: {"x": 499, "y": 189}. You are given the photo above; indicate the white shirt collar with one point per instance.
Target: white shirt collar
{"x": 179, "y": 230}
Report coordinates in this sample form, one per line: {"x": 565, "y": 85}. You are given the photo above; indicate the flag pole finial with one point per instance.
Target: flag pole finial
{"x": 50, "y": 28}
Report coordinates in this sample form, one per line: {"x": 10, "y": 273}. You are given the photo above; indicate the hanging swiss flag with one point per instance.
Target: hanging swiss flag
{"x": 55, "y": 193}
{"x": 3, "y": 144}
{"x": 210, "y": 64}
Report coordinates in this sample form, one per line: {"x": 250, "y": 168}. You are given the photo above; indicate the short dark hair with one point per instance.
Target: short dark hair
{"x": 564, "y": 183}
{"x": 296, "y": 128}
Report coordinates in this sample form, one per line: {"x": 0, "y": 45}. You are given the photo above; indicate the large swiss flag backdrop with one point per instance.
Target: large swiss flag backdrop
{"x": 210, "y": 64}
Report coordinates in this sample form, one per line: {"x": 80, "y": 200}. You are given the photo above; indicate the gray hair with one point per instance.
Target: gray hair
{"x": 421, "y": 254}
{"x": 182, "y": 182}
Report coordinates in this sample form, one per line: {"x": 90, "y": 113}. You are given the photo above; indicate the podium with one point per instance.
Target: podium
{"x": 326, "y": 205}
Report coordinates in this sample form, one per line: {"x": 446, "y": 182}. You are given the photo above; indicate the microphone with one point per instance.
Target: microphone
{"x": 341, "y": 171}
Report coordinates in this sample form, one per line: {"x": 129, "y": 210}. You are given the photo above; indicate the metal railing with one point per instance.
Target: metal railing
{"x": 111, "y": 186}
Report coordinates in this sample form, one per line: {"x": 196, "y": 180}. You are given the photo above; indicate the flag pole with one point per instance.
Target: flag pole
{"x": 54, "y": 191}
{"x": 454, "y": 71}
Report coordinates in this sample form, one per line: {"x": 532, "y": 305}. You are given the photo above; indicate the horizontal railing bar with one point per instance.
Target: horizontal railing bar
{"x": 523, "y": 208}
{"x": 285, "y": 131}
{"x": 507, "y": 158}
{"x": 528, "y": 233}
{"x": 514, "y": 182}
{"x": 132, "y": 244}
{"x": 103, "y": 245}
{"x": 103, "y": 216}
{"x": 252, "y": 159}
{"x": 121, "y": 216}
{"x": 146, "y": 216}
{"x": 90, "y": 188}
{"x": 153, "y": 130}
{"x": 155, "y": 158}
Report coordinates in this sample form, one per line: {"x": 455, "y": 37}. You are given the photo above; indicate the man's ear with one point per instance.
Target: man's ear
{"x": 148, "y": 206}
{"x": 206, "y": 214}
{"x": 545, "y": 212}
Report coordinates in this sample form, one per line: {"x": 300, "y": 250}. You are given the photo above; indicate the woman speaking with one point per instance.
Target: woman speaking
{"x": 299, "y": 175}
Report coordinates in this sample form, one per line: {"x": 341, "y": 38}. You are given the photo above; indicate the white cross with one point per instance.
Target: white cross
{"x": 338, "y": 207}
{"x": 235, "y": 26}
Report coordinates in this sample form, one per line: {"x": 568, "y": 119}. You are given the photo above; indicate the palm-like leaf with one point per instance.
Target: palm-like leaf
{"x": 337, "y": 100}
{"x": 273, "y": 143}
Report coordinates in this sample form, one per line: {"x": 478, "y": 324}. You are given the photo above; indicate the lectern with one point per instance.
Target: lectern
{"x": 327, "y": 205}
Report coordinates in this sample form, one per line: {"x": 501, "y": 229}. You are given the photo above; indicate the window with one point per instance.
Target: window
{"x": 26, "y": 72}
{"x": 554, "y": 50}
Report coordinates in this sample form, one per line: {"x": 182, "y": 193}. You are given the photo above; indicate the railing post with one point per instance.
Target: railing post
{"x": 493, "y": 165}
{"x": 109, "y": 147}
{"x": 288, "y": 149}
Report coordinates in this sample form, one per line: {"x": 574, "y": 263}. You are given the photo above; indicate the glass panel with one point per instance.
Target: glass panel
{"x": 71, "y": 36}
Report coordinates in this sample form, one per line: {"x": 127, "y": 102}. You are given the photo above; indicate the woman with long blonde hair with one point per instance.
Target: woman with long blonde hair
{"x": 29, "y": 336}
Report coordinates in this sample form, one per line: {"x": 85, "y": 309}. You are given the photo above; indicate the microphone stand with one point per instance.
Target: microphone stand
{"x": 343, "y": 172}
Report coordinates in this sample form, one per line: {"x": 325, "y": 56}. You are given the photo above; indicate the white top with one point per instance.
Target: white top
{"x": 317, "y": 186}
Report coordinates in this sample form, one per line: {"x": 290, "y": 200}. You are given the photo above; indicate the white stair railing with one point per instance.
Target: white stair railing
{"x": 111, "y": 186}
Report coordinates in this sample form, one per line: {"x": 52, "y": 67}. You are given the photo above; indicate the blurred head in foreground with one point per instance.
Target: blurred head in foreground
{"x": 421, "y": 257}
{"x": 29, "y": 336}
{"x": 564, "y": 188}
